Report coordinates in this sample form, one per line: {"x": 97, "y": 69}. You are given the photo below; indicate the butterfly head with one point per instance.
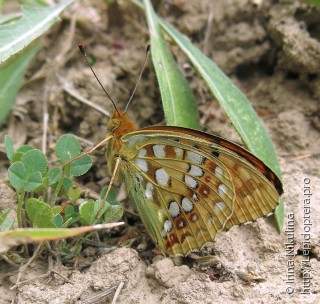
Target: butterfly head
{"x": 120, "y": 124}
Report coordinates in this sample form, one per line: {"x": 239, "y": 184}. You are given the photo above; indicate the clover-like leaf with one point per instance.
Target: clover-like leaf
{"x": 17, "y": 174}
{"x": 113, "y": 214}
{"x": 87, "y": 212}
{"x": 33, "y": 182}
{"x": 34, "y": 161}
{"x": 67, "y": 147}
{"x": 54, "y": 174}
{"x": 41, "y": 214}
{"x": 8, "y": 144}
{"x": 6, "y": 221}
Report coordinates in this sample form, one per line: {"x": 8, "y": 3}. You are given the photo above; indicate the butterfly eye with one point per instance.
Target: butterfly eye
{"x": 113, "y": 124}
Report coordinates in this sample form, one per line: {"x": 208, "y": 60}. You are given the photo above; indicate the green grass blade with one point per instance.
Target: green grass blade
{"x": 313, "y": 2}
{"x": 15, "y": 36}
{"x": 178, "y": 101}
{"x": 17, "y": 237}
{"x": 11, "y": 77}
{"x": 237, "y": 107}
{"x": 239, "y": 110}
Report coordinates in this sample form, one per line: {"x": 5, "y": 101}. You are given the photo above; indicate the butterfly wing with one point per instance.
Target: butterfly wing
{"x": 188, "y": 185}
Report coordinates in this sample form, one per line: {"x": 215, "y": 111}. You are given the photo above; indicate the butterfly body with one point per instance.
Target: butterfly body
{"x": 188, "y": 185}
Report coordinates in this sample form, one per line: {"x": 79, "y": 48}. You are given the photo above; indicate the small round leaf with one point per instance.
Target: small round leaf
{"x": 54, "y": 175}
{"x": 25, "y": 148}
{"x": 34, "y": 181}
{"x": 67, "y": 184}
{"x": 81, "y": 166}
{"x": 17, "y": 175}
{"x": 113, "y": 214}
{"x": 34, "y": 161}
{"x": 67, "y": 147}
{"x": 87, "y": 214}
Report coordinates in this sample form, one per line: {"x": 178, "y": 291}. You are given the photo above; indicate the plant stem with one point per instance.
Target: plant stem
{"x": 56, "y": 191}
{"x": 81, "y": 239}
{"x": 21, "y": 196}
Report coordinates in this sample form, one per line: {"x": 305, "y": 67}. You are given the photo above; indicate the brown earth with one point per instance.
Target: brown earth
{"x": 271, "y": 50}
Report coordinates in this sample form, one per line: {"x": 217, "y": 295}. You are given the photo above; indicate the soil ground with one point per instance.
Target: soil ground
{"x": 271, "y": 50}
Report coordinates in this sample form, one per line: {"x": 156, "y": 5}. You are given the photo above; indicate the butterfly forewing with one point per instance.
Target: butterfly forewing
{"x": 189, "y": 185}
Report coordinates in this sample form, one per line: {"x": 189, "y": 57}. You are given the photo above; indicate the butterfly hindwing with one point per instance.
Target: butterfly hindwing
{"x": 186, "y": 186}
{"x": 186, "y": 192}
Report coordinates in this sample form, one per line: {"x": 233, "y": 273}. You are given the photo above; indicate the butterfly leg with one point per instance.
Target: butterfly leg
{"x": 210, "y": 260}
{"x": 114, "y": 173}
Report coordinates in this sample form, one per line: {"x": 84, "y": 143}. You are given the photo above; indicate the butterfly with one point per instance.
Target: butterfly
{"x": 188, "y": 185}
{"x": 185, "y": 184}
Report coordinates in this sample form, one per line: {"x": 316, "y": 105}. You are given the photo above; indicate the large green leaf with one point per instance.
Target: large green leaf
{"x": 236, "y": 105}
{"x": 11, "y": 76}
{"x": 15, "y": 36}
{"x": 177, "y": 98}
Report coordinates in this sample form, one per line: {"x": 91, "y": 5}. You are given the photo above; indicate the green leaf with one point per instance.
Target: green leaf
{"x": 65, "y": 251}
{"x": 233, "y": 101}
{"x": 40, "y": 213}
{"x": 35, "y": 2}
{"x": 57, "y": 221}
{"x": 17, "y": 237}
{"x": 8, "y": 144}
{"x": 15, "y": 36}
{"x": 69, "y": 211}
{"x": 11, "y": 77}
{"x": 69, "y": 254}
{"x": 44, "y": 218}
{"x": 44, "y": 184}
{"x": 17, "y": 174}
{"x": 70, "y": 221}
{"x": 56, "y": 210}
{"x": 178, "y": 101}
{"x": 54, "y": 175}
{"x": 71, "y": 215}
{"x": 6, "y": 221}
{"x": 74, "y": 193}
{"x": 35, "y": 161}
{"x": 32, "y": 205}
{"x": 112, "y": 196}
{"x": 25, "y": 148}
{"x": 16, "y": 157}
{"x": 77, "y": 250}
{"x": 9, "y": 17}
{"x": 313, "y": 2}
{"x": 67, "y": 184}
{"x": 67, "y": 147}
{"x": 81, "y": 165}
{"x": 33, "y": 182}
{"x": 113, "y": 214}
{"x": 87, "y": 212}
{"x": 4, "y": 215}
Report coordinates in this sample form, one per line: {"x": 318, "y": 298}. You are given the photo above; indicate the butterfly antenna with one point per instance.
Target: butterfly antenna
{"x": 139, "y": 78}
{"x": 81, "y": 47}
